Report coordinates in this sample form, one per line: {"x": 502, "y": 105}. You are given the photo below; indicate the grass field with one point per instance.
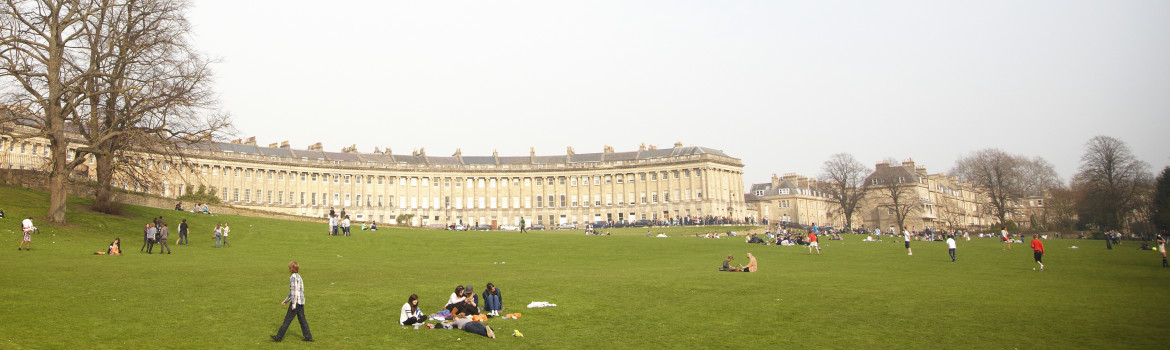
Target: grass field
{"x": 619, "y": 291}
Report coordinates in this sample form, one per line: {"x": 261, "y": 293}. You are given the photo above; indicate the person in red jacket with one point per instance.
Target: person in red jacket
{"x": 1038, "y": 250}
{"x": 812, "y": 243}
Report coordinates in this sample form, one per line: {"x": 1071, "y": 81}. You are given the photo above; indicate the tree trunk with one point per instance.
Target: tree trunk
{"x": 58, "y": 177}
{"x": 105, "y": 176}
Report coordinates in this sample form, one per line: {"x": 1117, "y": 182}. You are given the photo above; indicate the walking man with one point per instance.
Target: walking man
{"x": 183, "y": 233}
{"x": 1006, "y": 238}
{"x": 522, "y": 228}
{"x": 906, "y": 236}
{"x": 27, "y": 228}
{"x": 296, "y": 304}
{"x": 151, "y": 237}
{"x": 951, "y": 246}
{"x": 162, "y": 238}
{"x": 1038, "y": 250}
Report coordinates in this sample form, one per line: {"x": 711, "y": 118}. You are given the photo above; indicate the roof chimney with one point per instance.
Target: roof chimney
{"x": 284, "y": 144}
{"x": 251, "y": 141}
{"x": 316, "y": 147}
{"x": 272, "y": 145}
{"x": 569, "y": 150}
{"x": 678, "y": 144}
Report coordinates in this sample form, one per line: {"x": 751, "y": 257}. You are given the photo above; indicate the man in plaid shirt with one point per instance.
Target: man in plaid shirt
{"x": 296, "y": 304}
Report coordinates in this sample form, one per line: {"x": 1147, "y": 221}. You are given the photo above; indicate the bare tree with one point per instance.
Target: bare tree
{"x": 896, "y": 193}
{"x": 1060, "y": 210}
{"x": 152, "y": 95}
{"x": 952, "y": 211}
{"x": 843, "y": 180}
{"x": 1005, "y": 178}
{"x": 40, "y": 51}
{"x": 1112, "y": 178}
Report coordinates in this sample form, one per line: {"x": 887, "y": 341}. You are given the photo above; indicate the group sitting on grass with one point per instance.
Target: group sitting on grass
{"x": 461, "y": 312}
{"x": 750, "y": 267}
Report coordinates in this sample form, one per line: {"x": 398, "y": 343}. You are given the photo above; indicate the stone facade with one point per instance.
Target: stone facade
{"x": 649, "y": 183}
{"x": 792, "y": 198}
{"x": 936, "y": 201}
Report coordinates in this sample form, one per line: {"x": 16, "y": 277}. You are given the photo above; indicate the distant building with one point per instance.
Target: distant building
{"x": 649, "y": 183}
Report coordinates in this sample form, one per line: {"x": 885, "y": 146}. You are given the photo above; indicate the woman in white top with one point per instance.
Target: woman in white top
{"x": 410, "y": 312}
{"x": 455, "y": 299}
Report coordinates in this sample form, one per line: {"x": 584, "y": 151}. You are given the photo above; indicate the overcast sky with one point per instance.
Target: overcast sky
{"x": 781, "y": 85}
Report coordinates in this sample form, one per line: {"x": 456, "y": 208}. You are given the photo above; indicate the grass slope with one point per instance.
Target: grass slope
{"x": 624, "y": 290}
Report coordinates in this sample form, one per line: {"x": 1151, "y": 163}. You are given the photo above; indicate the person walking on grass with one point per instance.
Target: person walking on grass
{"x": 951, "y": 247}
{"x": 522, "y": 228}
{"x": 812, "y": 243}
{"x": 162, "y": 239}
{"x": 296, "y": 304}
{"x": 151, "y": 237}
{"x": 1038, "y": 250}
{"x": 906, "y": 236}
{"x": 26, "y": 227}
{"x": 1162, "y": 247}
{"x": 183, "y": 233}
{"x": 218, "y": 234}
{"x": 1006, "y": 237}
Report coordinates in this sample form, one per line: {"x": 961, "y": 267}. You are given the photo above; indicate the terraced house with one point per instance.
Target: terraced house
{"x": 649, "y": 183}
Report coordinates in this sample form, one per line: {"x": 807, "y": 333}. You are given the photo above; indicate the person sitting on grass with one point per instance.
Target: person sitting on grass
{"x": 727, "y": 264}
{"x": 373, "y": 226}
{"x": 751, "y": 266}
{"x": 455, "y": 299}
{"x": 469, "y": 306}
{"x": 114, "y": 249}
{"x": 493, "y": 299}
{"x": 411, "y": 315}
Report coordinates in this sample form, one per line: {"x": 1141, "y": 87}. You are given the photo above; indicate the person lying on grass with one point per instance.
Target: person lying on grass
{"x": 474, "y": 327}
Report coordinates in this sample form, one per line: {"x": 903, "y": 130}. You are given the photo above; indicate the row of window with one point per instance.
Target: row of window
{"x": 246, "y": 196}
{"x": 583, "y": 180}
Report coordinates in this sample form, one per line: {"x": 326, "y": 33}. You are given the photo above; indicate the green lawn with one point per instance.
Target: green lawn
{"x": 620, "y": 291}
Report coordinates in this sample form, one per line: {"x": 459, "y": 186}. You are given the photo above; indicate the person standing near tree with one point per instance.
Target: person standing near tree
{"x": 26, "y": 227}
{"x": 1005, "y": 237}
{"x": 1038, "y": 250}
{"x": 296, "y": 304}
{"x": 1162, "y": 247}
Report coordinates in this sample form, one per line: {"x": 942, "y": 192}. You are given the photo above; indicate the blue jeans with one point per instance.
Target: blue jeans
{"x": 493, "y": 301}
{"x": 218, "y": 241}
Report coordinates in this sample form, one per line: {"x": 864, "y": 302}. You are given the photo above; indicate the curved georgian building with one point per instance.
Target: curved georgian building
{"x": 648, "y": 183}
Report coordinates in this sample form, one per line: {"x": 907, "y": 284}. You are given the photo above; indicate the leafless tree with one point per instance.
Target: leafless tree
{"x": 152, "y": 94}
{"x": 1060, "y": 209}
{"x": 42, "y": 66}
{"x": 896, "y": 194}
{"x": 1112, "y": 178}
{"x": 843, "y": 180}
{"x": 1005, "y": 178}
{"x": 952, "y": 211}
